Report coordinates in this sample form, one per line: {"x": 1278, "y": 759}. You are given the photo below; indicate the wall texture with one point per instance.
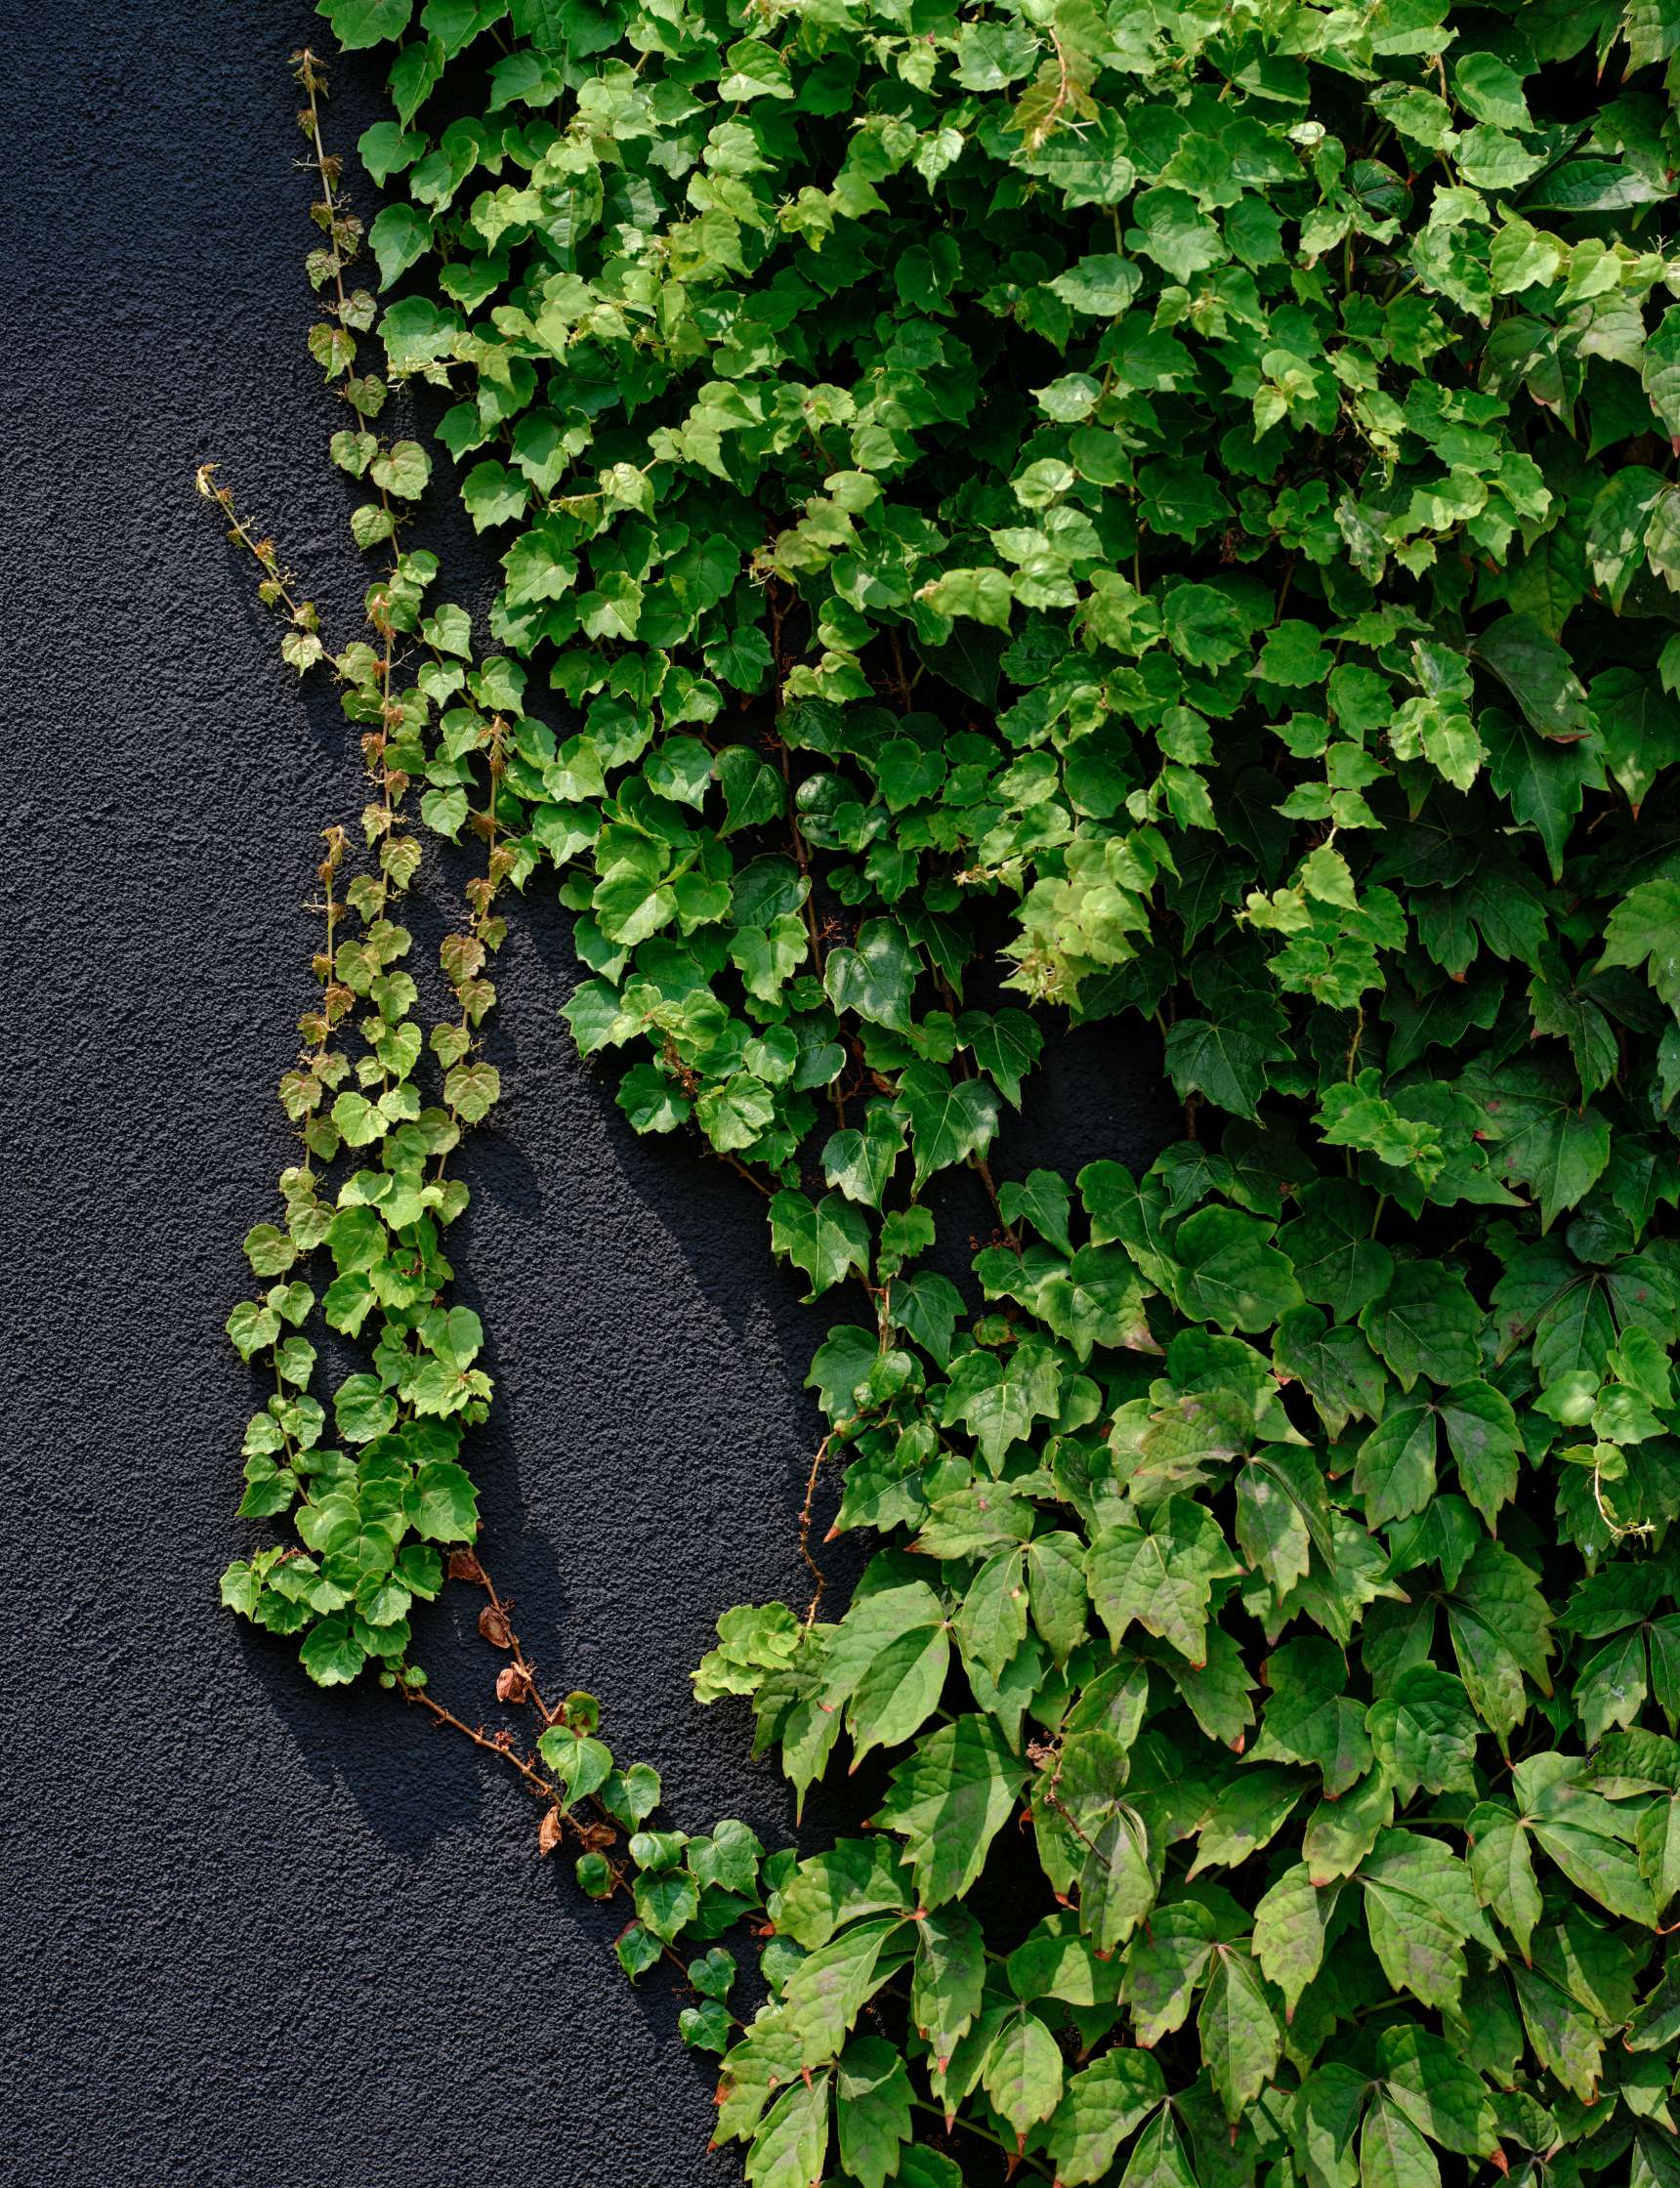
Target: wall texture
{"x": 258, "y": 1937}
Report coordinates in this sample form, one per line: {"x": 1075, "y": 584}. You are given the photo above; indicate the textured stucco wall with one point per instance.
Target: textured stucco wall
{"x": 257, "y": 1937}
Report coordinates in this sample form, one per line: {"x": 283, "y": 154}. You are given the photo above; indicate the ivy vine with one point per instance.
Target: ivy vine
{"x": 1152, "y": 512}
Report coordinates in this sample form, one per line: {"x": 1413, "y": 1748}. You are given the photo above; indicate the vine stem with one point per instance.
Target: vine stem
{"x": 983, "y": 1170}
{"x": 311, "y": 75}
{"x": 973, "y": 2128}
{"x": 734, "y": 1163}
{"x": 479, "y": 1739}
{"x": 805, "y": 1551}
{"x": 496, "y": 1625}
{"x": 978, "y": 1162}
{"x": 261, "y": 551}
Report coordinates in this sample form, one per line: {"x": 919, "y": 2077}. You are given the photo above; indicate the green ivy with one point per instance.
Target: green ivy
{"x": 1152, "y": 512}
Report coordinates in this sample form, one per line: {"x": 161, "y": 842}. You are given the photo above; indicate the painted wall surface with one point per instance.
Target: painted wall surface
{"x": 256, "y": 1936}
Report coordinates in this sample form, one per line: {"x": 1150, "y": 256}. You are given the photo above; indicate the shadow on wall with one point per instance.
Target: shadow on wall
{"x": 648, "y": 1448}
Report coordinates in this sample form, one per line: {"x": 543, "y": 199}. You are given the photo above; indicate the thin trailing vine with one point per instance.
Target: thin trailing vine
{"x": 1154, "y": 514}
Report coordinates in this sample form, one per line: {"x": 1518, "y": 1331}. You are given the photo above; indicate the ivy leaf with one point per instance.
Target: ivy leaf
{"x": 1483, "y": 1437}
{"x": 1056, "y": 1581}
{"x": 1420, "y": 1910}
{"x": 826, "y": 1991}
{"x": 1095, "y": 1298}
{"x": 1491, "y": 90}
{"x": 1102, "y": 2105}
{"x": 998, "y": 1399}
{"x": 1564, "y": 2031}
{"x": 899, "y": 1689}
{"x": 872, "y": 2099}
{"x": 1162, "y": 1579}
{"x": 331, "y": 1652}
{"x": 948, "y": 1982}
{"x": 365, "y": 22}
{"x": 1165, "y": 1966}
{"x": 1246, "y": 1816}
{"x": 1006, "y": 1046}
{"x": 448, "y": 1503}
{"x": 826, "y": 1241}
{"x": 1023, "y": 2073}
{"x": 1045, "y": 1201}
{"x": 927, "y": 2168}
{"x": 1203, "y": 625}
{"x": 1612, "y": 1685}
{"x": 1336, "y": 1260}
{"x": 1241, "y": 2039}
{"x": 860, "y": 1159}
{"x": 1171, "y": 232}
{"x": 1229, "y": 1275}
{"x": 1310, "y": 1718}
{"x": 1157, "y": 2159}
{"x": 1659, "y": 370}
{"x": 1117, "y": 1879}
{"x": 949, "y": 1119}
{"x": 1638, "y": 727}
{"x": 1616, "y": 529}
{"x": 1536, "y": 670}
{"x": 1644, "y": 929}
{"x": 1395, "y": 1472}
{"x": 949, "y": 1798}
{"x": 1545, "y": 1137}
{"x": 1281, "y": 1513}
{"x": 1501, "y": 1631}
{"x": 1338, "y": 1367}
{"x": 875, "y": 980}
{"x": 1591, "y": 1841}
{"x": 1393, "y": 2152}
{"x": 1424, "y": 1733}
{"x": 790, "y": 2147}
{"x": 1425, "y": 1324}
{"x": 1226, "y": 1059}
{"x": 1543, "y": 779}
{"x": 927, "y": 1308}
{"x": 399, "y": 236}
{"x": 1567, "y": 1010}
{"x": 854, "y": 1876}
{"x": 1289, "y": 1923}
{"x": 1502, "y": 1870}
{"x": 1658, "y": 2016}
{"x": 582, "y": 1766}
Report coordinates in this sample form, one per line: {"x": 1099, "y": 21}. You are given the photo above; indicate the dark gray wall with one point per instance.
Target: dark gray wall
{"x": 258, "y": 1937}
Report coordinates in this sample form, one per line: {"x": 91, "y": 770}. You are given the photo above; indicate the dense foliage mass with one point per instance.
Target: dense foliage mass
{"x": 1070, "y": 510}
